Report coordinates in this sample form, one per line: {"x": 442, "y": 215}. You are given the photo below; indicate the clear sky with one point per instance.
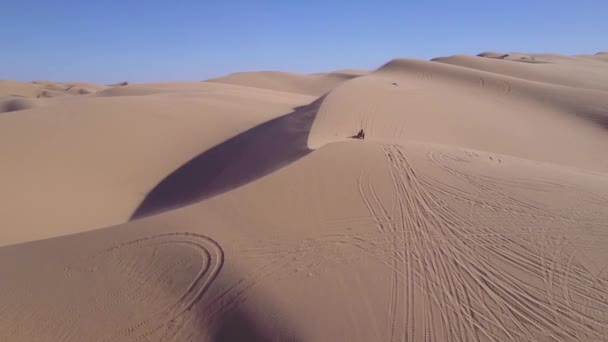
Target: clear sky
{"x": 114, "y": 40}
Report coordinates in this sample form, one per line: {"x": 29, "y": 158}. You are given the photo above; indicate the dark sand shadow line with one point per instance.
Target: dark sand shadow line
{"x": 242, "y": 159}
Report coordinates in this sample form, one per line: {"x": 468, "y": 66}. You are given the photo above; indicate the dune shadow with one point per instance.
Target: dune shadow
{"x": 14, "y": 104}
{"x": 235, "y": 162}
{"x": 227, "y": 316}
{"x": 238, "y": 324}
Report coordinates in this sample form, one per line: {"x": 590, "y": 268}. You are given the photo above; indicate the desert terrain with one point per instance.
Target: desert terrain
{"x": 241, "y": 208}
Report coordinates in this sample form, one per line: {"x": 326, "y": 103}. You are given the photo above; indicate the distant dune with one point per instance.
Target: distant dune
{"x": 130, "y": 90}
{"x": 573, "y": 72}
{"x": 120, "y": 84}
{"x": 39, "y": 89}
{"x": 315, "y": 84}
{"x": 243, "y": 208}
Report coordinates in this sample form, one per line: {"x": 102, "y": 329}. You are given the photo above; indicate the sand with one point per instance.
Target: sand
{"x": 313, "y": 84}
{"x": 239, "y": 208}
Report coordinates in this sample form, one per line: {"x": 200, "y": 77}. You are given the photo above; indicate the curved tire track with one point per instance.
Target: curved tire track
{"x": 169, "y": 318}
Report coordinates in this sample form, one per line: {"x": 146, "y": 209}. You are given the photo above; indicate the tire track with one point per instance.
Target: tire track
{"x": 213, "y": 260}
{"x": 488, "y": 185}
{"x": 410, "y": 246}
{"x": 383, "y": 219}
{"x": 476, "y": 298}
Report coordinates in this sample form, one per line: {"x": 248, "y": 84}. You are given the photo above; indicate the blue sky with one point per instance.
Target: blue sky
{"x": 115, "y": 40}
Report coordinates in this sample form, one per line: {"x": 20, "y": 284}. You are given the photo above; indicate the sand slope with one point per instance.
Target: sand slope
{"x": 88, "y": 162}
{"x": 473, "y": 211}
{"x": 424, "y": 241}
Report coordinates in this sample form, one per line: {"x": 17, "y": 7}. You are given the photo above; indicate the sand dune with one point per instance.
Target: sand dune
{"x": 315, "y": 84}
{"x": 572, "y": 73}
{"x": 46, "y": 89}
{"x": 21, "y": 89}
{"x": 133, "y": 90}
{"x": 474, "y": 210}
{"x": 119, "y": 84}
{"x": 234, "y": 162}
{"x": 440, "y": 103}
{"x": 88, "y": 162}
{"x": 602, "y": 56}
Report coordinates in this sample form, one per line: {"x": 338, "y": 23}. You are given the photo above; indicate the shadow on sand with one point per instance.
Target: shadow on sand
{"x": 237, "y": 315}
{"x": 235, "y": 162}
{"x": 240, "y": 325}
